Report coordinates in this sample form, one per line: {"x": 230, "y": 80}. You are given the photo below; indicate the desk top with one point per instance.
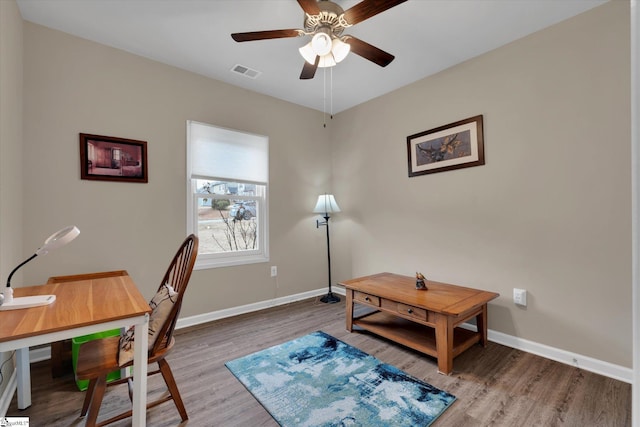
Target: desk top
{"x": 79, "y": 303}
{"x": 439, "y": 297}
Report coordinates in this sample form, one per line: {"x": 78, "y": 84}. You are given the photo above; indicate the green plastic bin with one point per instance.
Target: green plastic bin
{"x": 75, "y": 349}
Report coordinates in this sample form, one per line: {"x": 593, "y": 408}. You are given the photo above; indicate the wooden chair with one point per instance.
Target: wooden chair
{"x": 61, "y": 350}
{"x": 99, "y": 357}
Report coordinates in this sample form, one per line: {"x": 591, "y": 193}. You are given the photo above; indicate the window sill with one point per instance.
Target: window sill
{"x": 204, "y": 264}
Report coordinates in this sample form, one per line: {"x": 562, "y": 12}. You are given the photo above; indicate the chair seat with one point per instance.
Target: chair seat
{"x": 99, "y": 357}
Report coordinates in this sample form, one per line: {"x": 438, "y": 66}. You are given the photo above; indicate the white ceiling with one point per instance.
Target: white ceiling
{"x": 426, "y": 36}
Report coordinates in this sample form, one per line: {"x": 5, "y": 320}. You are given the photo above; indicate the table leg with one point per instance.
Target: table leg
{"x": 481, "y": 322}
{"x": 23, "y": 373}
{"x": 349, "y": 314}
{"x": 140, "y": 349}
{"x": 444, "y": 343}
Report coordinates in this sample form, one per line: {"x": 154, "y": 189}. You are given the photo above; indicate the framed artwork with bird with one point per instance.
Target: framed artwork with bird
{"x": 453, "y": 146}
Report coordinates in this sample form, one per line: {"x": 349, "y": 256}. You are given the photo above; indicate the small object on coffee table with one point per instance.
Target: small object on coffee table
{"x": 420, "y": 281}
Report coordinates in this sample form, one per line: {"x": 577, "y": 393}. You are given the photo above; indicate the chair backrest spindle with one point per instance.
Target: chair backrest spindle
{"x": 177, "y": 276}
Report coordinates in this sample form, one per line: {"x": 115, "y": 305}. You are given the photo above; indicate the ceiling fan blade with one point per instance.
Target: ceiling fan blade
{"x": 264, "y": 35}
{"x": 309, "y": 70}
{"x": 368, "y": 51}
{"x": 309, "y": 6}
{"x": 368, "y": 8}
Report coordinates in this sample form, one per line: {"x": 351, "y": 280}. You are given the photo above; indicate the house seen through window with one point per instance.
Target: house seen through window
{"x": 227, "y": 175}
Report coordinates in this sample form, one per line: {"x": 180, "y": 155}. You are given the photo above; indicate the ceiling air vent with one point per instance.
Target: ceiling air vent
{"x": 246, "y": 71}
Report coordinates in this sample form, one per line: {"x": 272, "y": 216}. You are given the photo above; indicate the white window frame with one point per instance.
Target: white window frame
{"x": 231, "y": 258}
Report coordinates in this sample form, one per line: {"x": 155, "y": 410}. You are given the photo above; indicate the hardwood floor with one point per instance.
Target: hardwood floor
{"x": 495, "y": 386}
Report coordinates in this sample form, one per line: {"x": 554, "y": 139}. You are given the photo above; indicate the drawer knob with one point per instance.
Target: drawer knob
{"x": 410, "y": 311}
{"x": 367, "y": 299}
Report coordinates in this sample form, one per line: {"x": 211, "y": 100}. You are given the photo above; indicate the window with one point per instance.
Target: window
{"x": 227, "y": 174}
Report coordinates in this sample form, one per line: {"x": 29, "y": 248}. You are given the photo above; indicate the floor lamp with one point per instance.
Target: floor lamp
{"x": 326, "y": 205}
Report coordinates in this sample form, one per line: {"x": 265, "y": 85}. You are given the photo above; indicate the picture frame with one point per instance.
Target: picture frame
{"x": 107, "y": 158}
{"x": 454, "y": 146}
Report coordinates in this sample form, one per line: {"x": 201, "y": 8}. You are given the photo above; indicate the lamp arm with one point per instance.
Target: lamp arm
{"x": 16, "y": 269}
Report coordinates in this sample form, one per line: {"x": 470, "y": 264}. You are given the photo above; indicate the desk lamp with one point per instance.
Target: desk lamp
{"x": 57, "y": 239}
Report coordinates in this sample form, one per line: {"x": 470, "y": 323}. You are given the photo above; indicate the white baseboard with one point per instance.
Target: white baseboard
{"x": 600, "y": 367}
{"x": 574, "y": 359}
{"x": 39, "y": 354}
{"x": 8, "y": 392}
{"x": 199, "y": 319}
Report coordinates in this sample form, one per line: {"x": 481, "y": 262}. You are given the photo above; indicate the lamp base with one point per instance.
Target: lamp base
{"x": 330, "y": 298}
{"x": 27, "y": 302}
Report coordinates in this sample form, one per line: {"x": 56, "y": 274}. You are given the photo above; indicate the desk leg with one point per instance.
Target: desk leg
{"x": 481, "y": 322}
{"x": 349, "y": 314}
{"x": 140, "y": 350}
{"x": 23, "y": 373}
{"x": 444, "y": 343}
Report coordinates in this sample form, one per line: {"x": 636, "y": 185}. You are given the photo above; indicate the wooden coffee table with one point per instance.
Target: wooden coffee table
{"x": 425, "y": 320}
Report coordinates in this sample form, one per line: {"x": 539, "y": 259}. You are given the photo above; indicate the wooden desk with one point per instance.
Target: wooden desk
{"x": 82, "y": 307}
{"x": 423, "y": 320}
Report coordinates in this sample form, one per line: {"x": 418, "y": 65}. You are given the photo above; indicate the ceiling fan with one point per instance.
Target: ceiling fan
{"x": 325, "y": 22}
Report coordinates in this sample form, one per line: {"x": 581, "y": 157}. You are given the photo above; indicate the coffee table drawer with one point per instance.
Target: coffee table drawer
{"x": 405, "y": 310}
{"x": 366, "y": 298}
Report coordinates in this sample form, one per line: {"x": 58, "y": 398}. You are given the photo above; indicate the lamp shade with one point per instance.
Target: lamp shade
{"x": 307, "y": 53}
{"x": 321, "y": 43}
{"x": 339, "y": 49}
{"x": 59, "y": 238}
{"x": 326, "y": 204}
{"x": 310, "y": 56}
{"x": 326, "y": 61}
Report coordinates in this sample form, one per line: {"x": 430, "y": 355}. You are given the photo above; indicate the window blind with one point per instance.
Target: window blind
{"x": 218, "y": 153}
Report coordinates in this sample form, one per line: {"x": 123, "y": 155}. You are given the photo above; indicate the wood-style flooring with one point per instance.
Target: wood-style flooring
{"x": 495, "y": 386}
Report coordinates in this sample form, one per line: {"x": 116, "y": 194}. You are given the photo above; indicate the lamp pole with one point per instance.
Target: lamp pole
{"x": 330, "y": 297}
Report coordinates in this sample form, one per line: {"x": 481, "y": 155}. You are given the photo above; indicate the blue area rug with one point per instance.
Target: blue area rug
{"x": 318, "y": 380}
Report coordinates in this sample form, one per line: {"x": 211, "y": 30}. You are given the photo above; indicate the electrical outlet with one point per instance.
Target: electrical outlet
{"x": 520, "y": 296}
{"x": 274, "y": 271}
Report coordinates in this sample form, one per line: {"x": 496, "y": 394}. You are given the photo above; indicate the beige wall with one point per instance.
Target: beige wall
{"x": 11, "y": 46}
{"x": 74, "y": 85}
{"x": 550, "y": 210}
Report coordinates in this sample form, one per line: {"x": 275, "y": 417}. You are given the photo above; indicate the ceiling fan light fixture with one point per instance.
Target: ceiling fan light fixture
{"x": 307, "y": 53}
{"x": 321, "y": 43}
{"x": 339, "y": 49}
{"x": 327, "y": 61}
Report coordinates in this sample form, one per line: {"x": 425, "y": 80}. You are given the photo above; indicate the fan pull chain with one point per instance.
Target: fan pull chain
{"x": 331, "y": 95}
{"x": 324, "y": 97}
